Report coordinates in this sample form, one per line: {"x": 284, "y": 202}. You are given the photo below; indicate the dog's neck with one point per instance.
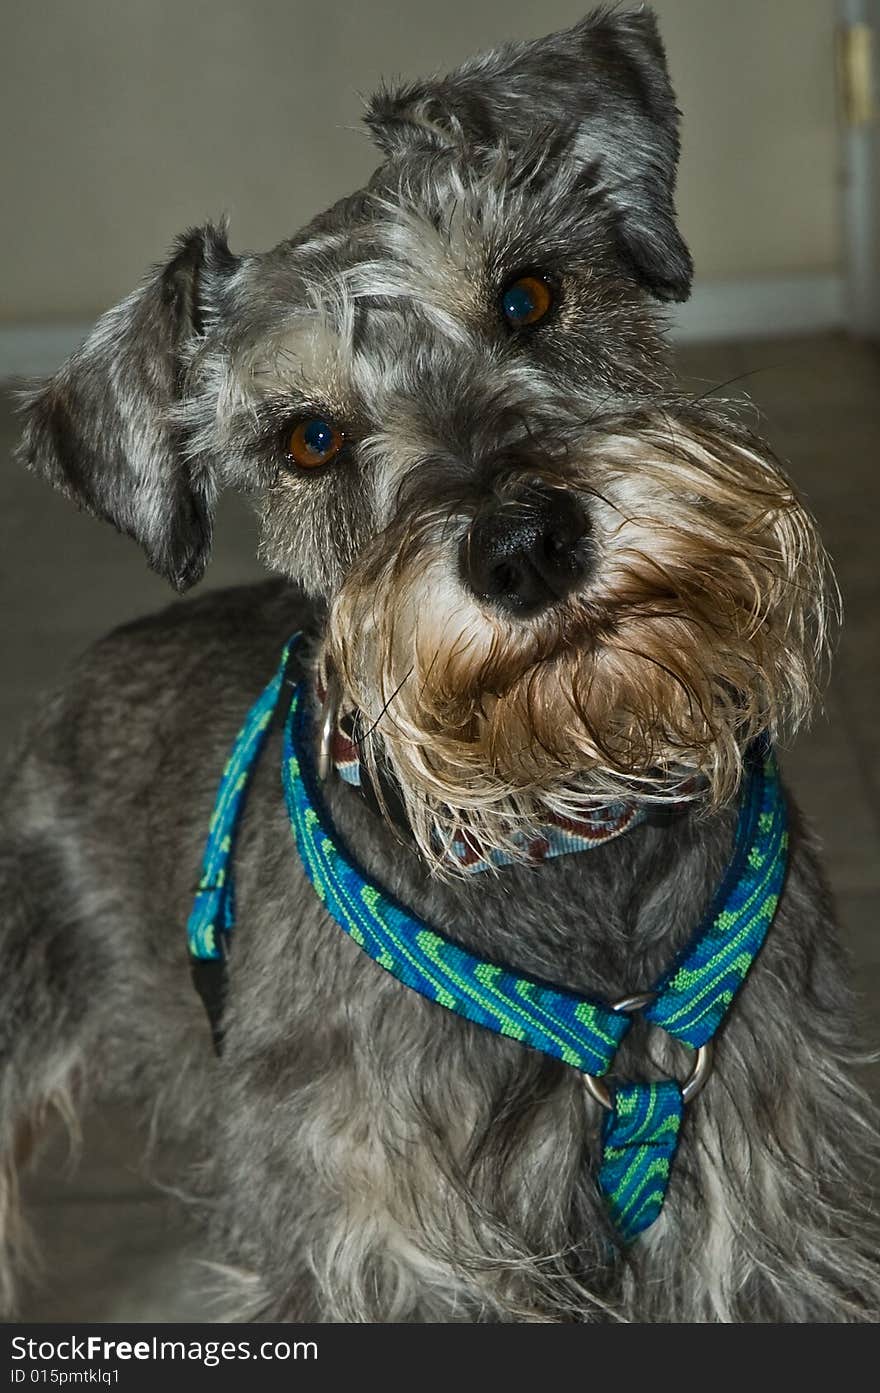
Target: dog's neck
{"x": 582, "y": 826}
{"x": 606, "y": 923}
{"x": 461, "y": 850}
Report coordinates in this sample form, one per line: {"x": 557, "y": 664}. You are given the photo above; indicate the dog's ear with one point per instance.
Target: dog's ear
{"x": 604, "y": 87}
{"x": 103, "y": 430}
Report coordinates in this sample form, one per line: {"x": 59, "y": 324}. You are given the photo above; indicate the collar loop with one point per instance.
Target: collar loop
{"x": 690, "y": 1001}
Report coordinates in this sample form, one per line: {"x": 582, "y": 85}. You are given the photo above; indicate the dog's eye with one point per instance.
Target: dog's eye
{"x": 314, "y": 442}
{"x": 526, "y": 300}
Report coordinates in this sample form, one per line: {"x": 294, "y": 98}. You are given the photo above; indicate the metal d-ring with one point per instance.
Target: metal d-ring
{"x": 329, "y": 719}
{"x": 699, "y": 1074}
{"x": 692, "y": 1085}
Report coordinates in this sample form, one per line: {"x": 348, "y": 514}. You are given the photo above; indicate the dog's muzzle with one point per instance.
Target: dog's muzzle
{"x": 527, "y": 553}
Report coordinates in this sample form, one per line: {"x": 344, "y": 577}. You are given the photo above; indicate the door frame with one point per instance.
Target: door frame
{"x": 860, "y": 190}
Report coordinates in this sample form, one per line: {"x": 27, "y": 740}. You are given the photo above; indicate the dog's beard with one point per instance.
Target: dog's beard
{"x": 703, "y": 625}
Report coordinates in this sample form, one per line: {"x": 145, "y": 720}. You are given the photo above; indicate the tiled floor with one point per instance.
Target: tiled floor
{"x": 115, "y": 1247}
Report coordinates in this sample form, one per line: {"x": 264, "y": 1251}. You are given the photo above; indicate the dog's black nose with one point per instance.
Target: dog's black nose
{"x": 524, "y": 554}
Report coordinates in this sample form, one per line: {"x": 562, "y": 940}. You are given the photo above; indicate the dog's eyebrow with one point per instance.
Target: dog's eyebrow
{"x": 374, "y": 304}
{"x": 367, "y": 311}
{"x": 386, "y": 285}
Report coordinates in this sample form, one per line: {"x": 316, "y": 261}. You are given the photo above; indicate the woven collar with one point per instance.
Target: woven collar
{"x": 689, "y": 1002}
{"x": 558, "y": 836}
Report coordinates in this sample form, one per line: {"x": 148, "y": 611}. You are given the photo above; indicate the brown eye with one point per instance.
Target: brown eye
{"x": 314, "y": 442}
{"x": 526, "y": 300}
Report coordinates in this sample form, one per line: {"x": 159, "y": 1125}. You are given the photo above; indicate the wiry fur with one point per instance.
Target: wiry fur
{"x": 363, "y": 1155}
{"x": 702, "y": 626}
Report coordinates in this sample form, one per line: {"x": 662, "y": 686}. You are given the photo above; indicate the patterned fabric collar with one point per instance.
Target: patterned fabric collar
{"x": 559, "y": 836}
{"x": 689, "y": 1002}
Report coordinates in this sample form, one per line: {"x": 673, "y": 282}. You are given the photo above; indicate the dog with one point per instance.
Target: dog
{"x": 536, "y": 587}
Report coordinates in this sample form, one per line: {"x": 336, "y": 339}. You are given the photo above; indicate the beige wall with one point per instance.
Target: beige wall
{"x": 760, "y": 163}
{"x": 125, "y": 120}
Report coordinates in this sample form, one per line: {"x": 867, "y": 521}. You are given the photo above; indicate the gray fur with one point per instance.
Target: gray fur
{"x": 365, "y": 1156}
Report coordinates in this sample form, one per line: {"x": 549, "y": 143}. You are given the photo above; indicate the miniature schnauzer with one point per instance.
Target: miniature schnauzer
{"x": 537, "y": 587}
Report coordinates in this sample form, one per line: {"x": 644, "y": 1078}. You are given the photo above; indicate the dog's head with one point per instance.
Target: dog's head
{"x": 548, "y": 576}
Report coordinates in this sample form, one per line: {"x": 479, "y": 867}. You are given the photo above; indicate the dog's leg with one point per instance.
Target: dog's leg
{"x": 46, "y": 989}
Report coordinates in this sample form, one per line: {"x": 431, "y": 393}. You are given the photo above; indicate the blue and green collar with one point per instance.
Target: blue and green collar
{"x": 642, "y": 1120}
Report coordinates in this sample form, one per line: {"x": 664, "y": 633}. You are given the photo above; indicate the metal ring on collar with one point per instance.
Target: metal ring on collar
{"x": 329, "y": 717}
{"x": 694, "y": 1082}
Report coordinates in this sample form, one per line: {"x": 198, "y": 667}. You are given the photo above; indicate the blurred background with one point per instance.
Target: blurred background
{"x": 124, "y": 123}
